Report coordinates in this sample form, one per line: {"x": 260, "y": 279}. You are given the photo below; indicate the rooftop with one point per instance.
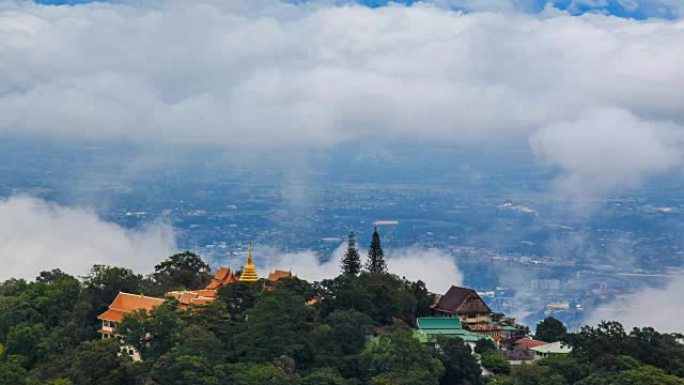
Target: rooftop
{"x": 125, "y": 303}
{"x": 438, "y": 323}
{"x": 557, "y": 347}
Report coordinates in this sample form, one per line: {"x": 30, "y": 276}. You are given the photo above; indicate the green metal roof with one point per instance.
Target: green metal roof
{"x": 429, "y": 323}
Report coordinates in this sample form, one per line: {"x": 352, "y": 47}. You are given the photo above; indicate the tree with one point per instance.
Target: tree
{"x": 647, "y": 375}
{"x": 494, "y": 362}
{"x": 99, "y": 363}
{"x": 376, "y": 257}
{"x": 51, "y": 275}
{"x": 534, "y": 375}
{"x": 324, "y": 376}
{"x": 26, "y": 339}
{"x": 351, "y": 262}
{"x": 277, "y": 325}
{"x": 460, "y": 366}
{"x": 571, "y": 368}
{"x": 12, "y": 372}
{"x": 349, "y": 330}
{"x": 152, "y": 333}
{"x": 601, "y": 342}
{"x": 184, "y": 270}
{"x": 253, "y": 373}
{"x": 191, "y": 361}
{"x": 396, "y": 357}
{"x": 550, "y": 330}
{"x": 103, "y": 283}
{"x": 239, "y": 297}
{"x": 484, "y": 344}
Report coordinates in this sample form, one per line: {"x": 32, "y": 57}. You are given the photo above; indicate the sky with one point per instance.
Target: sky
{"x": 268, "y": 74}
{"x": 593, "y": 88}
{"x": 638, "y": 9}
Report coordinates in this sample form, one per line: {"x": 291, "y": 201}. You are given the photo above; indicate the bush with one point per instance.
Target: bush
{"x": 495, "y": 363}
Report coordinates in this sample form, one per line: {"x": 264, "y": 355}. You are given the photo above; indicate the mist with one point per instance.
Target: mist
{"x": 36, "y": 235}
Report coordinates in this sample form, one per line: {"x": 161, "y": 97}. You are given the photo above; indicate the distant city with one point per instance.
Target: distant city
{"x": 528, "y": 252}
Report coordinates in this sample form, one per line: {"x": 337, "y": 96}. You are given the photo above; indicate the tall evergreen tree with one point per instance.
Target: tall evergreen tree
{"x": 351, "y": 262}
{"x": 376, "y": 258}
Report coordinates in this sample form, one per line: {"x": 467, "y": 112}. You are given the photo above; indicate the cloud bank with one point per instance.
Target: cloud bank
{"x": 36, "y": 235}
{"x": 661, "y": 309}
{"x": 273, "y": 74}
{"x": 608, "y": 148}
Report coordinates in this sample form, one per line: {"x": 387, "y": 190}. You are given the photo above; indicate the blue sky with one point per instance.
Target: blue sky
{"x": 638, "y": 9}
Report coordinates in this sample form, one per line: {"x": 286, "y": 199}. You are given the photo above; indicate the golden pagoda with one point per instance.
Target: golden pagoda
{"x": 249, "y": 273}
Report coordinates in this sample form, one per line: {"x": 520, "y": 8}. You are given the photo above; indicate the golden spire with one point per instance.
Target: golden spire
{"x": 249, "y": 255}
{"x": 249, "y": 273}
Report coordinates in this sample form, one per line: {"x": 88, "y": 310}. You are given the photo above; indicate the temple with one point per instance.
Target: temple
{"x": 249, "y": 272}
{"x": 123, "y": 304}
{"x": 126, "y": 303}
{"x": 279, "y": 274}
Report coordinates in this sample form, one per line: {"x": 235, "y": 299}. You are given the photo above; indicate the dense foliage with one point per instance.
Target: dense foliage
{"x": 350, "y": 330}
{"x": 550, "y": 330}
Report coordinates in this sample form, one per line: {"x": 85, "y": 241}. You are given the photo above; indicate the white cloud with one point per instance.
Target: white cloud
{"x": 433, "y": 266}
{"x": 608, "y": 148}
{"x": 36, "y": 235}
{"x": 661, "y": 309}
{"x": 273, "y": 74}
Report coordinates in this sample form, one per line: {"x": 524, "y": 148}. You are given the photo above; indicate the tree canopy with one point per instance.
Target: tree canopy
{"x": 376, "y": 257}
{"x": 349, "y": 330}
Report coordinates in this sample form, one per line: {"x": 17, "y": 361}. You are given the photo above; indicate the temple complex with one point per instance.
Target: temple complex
{"x": 126, "y": 303}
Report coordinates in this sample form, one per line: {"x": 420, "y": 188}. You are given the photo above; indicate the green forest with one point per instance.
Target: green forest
{"x": 358, "y": 331}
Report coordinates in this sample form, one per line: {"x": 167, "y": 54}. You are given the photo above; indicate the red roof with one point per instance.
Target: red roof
{"x": 223, "y": 277}
{"x": 125, "y": 303}
{"x": 112, "y": 315}
{"x": 528, "y": 343}
{"x": 206, "y": 293}
{"x": 279, "y": 274}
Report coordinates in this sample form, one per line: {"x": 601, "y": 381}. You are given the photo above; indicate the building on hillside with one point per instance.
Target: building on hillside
{"x": 123, "y": 304}
{"x": 465, "y": 304}
{"x": 223, "y": 277}
{"x": 194, "y": 297}
{"x": 553, "y": 348}
{"x": 279, "y": 274}
{"x": 430, "y": 328}
{"x": 496, "y": 331}
{"x": 527, "y": 344}
{"x": 520, "y": 351}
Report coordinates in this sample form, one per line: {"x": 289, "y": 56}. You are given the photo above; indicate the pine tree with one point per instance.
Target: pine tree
{"x": 351, "y": 263}
{"x": 376, "y": 258}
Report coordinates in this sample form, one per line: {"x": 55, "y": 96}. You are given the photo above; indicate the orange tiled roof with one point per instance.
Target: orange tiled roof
{"x": 202, "y": 300}
{"x": 223, "y": 277}
{"x": 279, "y": 274}
{"x": 112, "y": 315}
{"x": 206, "y": 293}
{"x": 125, "y": 303}
{"x": 187, "y": 298}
